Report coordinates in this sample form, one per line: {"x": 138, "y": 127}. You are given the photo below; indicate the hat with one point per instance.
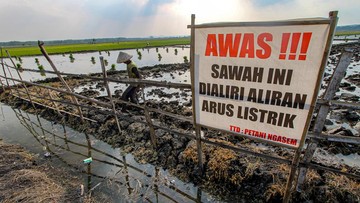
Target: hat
{"x": 123, "y": 57}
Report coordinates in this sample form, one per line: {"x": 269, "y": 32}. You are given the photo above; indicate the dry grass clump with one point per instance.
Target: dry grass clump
{"x": 29, "y": 185}
{"x": 190, "y": 153}
{"x": 342, "y": 188}
{"x": 219, "y": 162}
{"x": 278, "y": 187}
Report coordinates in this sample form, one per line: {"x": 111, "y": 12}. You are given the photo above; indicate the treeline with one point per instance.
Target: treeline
{"x": 76, "y": 41}
{"x": 346, "y": 28}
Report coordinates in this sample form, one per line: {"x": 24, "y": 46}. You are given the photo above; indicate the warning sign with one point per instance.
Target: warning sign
{"x": 258, "y": 81}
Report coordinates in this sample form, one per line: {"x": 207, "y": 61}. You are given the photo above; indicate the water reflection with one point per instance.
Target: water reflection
{"x": 111, "y": 174}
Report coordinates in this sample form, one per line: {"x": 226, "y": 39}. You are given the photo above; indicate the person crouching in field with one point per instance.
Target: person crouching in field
{"x": 133, "y": 72}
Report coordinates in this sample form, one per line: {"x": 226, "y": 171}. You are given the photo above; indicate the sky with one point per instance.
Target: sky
{"x": 27, "y": 20}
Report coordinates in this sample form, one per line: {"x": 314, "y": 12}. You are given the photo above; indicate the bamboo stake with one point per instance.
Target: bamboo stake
{"x": 133, "y": 81}
{"x": 109, "y": 92}
{"x": 333, "y": 86}
{"x": 2, "y": 85}
{"x": 12, "y": 79}
{"x": 17, "y": 71}
{"x": 148, "y": 120}
{"x": 65, "y": 92}
{"x": 192, "y": 71}
{"x": 294, "y": 165}
{"x": 3, "y": 67}
{"x": 43, "y": 51}
{"x": 71, "y": 114}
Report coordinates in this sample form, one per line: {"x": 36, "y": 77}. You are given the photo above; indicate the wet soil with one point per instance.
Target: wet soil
{"x": 229, "y": 175}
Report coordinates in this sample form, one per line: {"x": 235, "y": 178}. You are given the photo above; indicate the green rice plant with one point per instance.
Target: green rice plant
{"x": 72, "y": 48}
{"x": 19, "y": 67}
{"x": 71, "y": 57}
{"x": 42, "y": 70}
{"x": 113, "y": 67}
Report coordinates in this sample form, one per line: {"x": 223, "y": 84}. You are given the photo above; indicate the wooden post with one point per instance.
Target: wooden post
{"x": 17, "y": 71}
{"x": 2, "y": 85}
{"x": 109, "y": 92}
{"x": 149, "y": 121}
{"x": 296, "y": 159}
{"x": 43, "y": 51}
{"x": 192, "y": 71}
{"x": 12, "y": 79}
{"x": 3, "y": 67}
{"x": 334, "y": 84}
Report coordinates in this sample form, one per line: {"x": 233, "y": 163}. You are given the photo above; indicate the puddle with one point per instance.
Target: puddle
{"x": 112, "y": 175}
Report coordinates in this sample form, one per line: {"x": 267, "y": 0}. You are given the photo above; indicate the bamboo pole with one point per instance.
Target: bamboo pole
{"x": 65, "y": 92}
{"x": 71, "y": 114}
{"x": 12, "y": 79}
{"x": 3, "y": 67}
{"x": 332, "y": 21}
{"x": 17, "y": 71}
{"x": 192, "y": 71}
{"x": 43, "y": 51}
{"x": 109, "y": 92}
{"x": 133, "y": 81}
{"x": 2, "y": 85}
{"x": 150, "y": 123}
{"x": 333, "y": 86}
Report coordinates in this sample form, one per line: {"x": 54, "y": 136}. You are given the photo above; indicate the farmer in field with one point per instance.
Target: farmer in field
{"x": 133, "y": 72}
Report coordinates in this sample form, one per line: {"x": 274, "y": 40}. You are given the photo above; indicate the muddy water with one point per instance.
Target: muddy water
{"x": 112, "y": 175}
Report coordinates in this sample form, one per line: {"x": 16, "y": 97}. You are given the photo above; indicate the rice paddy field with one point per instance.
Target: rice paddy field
{"x": 72, "y": 48}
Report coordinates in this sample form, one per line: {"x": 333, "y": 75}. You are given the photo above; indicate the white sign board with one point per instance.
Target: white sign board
{"x": 258, "y": 81}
